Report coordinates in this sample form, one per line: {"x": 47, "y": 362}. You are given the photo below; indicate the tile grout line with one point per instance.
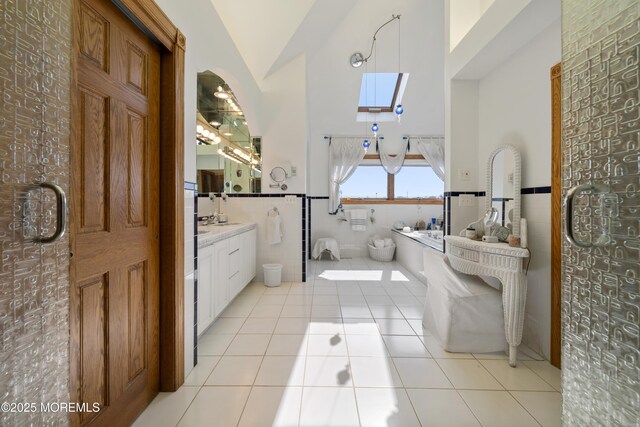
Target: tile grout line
{"x": 312, "y": 275}
{"x": 468, "y": 407}
{"x": 259, "y": 367}
{"x": 523, "y": 407}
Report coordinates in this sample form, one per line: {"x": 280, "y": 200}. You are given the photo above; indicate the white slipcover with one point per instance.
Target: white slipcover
{"x": 462, "y": 312}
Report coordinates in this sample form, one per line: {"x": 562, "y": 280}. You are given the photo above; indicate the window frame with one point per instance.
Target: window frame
{"x": 391, "y": 199}
{"x": 389, "y": 109}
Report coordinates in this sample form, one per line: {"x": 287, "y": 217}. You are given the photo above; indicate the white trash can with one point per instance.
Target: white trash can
{"x": 272, "y": 274}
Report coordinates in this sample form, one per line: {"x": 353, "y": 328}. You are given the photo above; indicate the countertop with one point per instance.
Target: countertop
{"x": 493, "y": 248}
{"x": 216, "y": 233}
{"x": 422, "y": 238}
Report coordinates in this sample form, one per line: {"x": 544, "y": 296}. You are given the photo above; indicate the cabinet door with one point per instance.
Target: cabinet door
{"x": 221, "y": 276}
{"x": 236, "y": 271}
{"x": 246, "y": 259}
{"x": 205, "y": 284}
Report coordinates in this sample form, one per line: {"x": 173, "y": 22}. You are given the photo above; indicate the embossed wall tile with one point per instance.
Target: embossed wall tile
{"x": 601, "y": 286}
{"x": 35, "y": 48}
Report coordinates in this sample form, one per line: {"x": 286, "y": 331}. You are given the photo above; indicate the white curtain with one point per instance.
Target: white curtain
{"x": 393, "y": 163}
{"x": 432, "y": 149}
{"x": 345, "y": 154}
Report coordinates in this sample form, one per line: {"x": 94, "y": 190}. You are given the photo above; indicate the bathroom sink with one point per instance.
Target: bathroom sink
{"x": 222, "y": 224}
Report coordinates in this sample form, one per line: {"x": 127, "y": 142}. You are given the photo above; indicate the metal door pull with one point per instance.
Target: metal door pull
{"x": 61, "y": 213}
{"x": 568, "y": 216}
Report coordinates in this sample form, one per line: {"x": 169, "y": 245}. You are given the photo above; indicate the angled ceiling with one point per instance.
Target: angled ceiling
{"x": 270, "y": 33}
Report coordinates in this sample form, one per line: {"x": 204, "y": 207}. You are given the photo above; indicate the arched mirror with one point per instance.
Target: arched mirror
{"x": 503, "y": 186}
{"x": 228, "y": 157}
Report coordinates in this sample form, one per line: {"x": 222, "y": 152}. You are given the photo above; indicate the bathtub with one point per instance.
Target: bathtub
{"x": 430, "y": 238}
{"x": 409, "y": 248}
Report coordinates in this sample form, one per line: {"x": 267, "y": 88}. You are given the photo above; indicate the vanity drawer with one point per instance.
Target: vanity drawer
{"x": 501, "y": 261}
{"x": 234, "y": 243}
{"x": 468, "y": 254}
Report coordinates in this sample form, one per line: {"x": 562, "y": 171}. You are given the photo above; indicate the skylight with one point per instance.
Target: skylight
{"x": 379, "y": 91}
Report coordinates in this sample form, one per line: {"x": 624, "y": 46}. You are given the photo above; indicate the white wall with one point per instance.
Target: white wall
{"x": 333, "y": 86}
{"x": 515, "y": 108}
{"x": 189, "y": 277}
{"x": 284, "y": 115}
{"x": 464, "y": 14}
{"x": 209, "y": 47}
{"x": 354, "y": 243}
{"x": 254, "y": 209}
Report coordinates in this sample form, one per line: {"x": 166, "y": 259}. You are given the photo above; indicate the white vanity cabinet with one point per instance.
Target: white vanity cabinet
{"x": 206, "y": 313}
{"x": 224, "y": 269}
{"x": 220, "y": 275}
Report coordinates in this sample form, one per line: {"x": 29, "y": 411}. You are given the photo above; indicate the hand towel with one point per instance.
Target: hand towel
{"x": 358, "y": 219}
{"x": 388, "y": 242}
{"x": 275, "y": 232}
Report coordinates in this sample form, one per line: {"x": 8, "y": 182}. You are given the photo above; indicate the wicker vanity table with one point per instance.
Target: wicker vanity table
{"x": 503, "y": 262}
{"x": 499, "y": 260}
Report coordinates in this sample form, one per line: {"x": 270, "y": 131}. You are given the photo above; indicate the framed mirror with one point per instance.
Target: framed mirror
{"x": 228, "y": 158}
{"x": 503, "y": 186}
{"x": 279, "y": 176}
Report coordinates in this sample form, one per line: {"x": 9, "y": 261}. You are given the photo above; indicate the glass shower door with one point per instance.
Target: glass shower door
{"x": 35, "y": 52}
{"x": 601, "y": 185}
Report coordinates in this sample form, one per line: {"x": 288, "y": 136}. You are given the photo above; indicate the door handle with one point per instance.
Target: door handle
{"x": 568, "y": 202}
{"x": 61, "y": 213}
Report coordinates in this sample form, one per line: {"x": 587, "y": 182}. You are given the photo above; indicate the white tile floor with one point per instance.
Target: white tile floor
{"x": 347, "y": 349}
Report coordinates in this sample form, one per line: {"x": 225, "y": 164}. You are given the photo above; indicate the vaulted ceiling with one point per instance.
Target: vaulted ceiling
{"x": 270, "y": 33}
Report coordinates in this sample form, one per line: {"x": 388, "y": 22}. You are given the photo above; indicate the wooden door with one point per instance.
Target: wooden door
{"x": 114, "y": 295}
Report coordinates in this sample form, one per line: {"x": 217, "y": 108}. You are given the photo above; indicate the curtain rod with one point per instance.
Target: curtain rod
{"x": 422, "y": 136}
{"x": 328, "y": 137}
{"x": 381, "y": 138}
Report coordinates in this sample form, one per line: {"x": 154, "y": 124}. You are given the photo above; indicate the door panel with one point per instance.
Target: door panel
{"x": 93, "y": 317}
{"x": 137, "y": 286}
{"x": 137, "y": 169}
{"x": 114, "y": 216}
{"x": 94, "y": 117}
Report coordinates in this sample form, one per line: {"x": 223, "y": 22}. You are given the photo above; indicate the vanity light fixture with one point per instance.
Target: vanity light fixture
{"x": 220, "y": 93}
{"x": 215, "y": 123}
{"x": 239, "y": 156}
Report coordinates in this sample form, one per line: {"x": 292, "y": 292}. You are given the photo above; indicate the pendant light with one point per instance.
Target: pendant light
{"x": 357, "y": 59}
{"x": 366, "y": 144}
{"x": 374, "y": 127}
{"x": 399, "y": 109}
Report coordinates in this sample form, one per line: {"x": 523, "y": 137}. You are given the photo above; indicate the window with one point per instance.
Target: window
{"x": 379, "y": 92}
{"x": 367, "y": 182}
{"x": 416, "y": 183}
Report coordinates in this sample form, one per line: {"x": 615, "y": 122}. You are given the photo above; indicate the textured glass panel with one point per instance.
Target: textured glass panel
{"x": 601, "y": 286}
{"x": 35, "y": 43}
